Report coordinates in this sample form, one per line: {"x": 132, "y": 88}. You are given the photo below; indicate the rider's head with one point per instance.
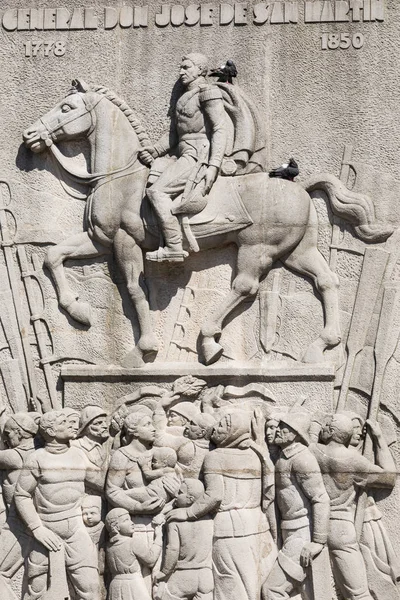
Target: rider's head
{"x": 193, "y": 66}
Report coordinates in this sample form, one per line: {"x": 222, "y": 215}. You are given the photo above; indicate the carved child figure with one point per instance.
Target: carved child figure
{"x": 125, "y": 553}
{"x": 91, "y": 515}
{"x": 163, "y": 462}
{"x": 186, "y": 570}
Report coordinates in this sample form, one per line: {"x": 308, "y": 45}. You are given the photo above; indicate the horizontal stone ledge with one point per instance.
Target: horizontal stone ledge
{"x": 170, "y": 371}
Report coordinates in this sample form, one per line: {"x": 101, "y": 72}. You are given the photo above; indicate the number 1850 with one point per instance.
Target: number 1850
{"x": 332, "y": 41}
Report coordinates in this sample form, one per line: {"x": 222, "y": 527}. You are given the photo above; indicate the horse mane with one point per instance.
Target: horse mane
{"x": 136, "y": 125}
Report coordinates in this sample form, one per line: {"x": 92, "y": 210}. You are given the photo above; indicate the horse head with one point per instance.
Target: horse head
{"x": 72, "y": 118}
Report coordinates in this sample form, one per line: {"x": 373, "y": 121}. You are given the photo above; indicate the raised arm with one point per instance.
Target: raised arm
{"x": 383, "y": 473}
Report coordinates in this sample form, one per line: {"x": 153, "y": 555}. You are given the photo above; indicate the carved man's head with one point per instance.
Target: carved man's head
{"x": 341, "y": 429}
{"x": 19, "y": 427}
{"x": 94, "y": 424}
{"x": 271, "y": 426}
{"x": 55, "y": 425}
{"x": 182, "y": 413}
{"x": 293, "y": 427}
{"x": 193, "y": 66}
{"x": 200, "y": 427}
{"x": 73, "y": 417}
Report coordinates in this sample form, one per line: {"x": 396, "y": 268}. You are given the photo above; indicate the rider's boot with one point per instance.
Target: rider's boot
{"x": 173, "y": 250}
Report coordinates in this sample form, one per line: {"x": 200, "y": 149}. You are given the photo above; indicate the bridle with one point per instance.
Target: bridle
{"x": 84, "y": 177}
{"x": 47, "y": 135}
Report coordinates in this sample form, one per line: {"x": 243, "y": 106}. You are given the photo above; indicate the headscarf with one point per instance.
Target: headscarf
{"x": 239, "y": 429}
{"x": 240, "y": 437}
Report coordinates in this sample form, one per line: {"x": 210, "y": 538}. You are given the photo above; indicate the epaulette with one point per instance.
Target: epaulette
{"x": 209, "y": 92}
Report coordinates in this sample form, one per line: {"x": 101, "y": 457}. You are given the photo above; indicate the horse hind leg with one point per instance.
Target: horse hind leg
{"x": 253, "y": 262}
{"x": 307, "y": 260}
{"x": 78, "y": 246}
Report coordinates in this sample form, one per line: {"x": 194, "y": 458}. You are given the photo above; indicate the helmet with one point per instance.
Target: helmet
{"x": 185, "y": 409}
{"x": 89, "y": 414}
{"x": 300, "y": 422}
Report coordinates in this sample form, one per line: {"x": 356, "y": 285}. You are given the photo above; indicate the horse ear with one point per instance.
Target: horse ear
{"x": 80, "y": 85}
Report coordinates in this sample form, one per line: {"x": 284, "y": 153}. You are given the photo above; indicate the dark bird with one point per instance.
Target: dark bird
{"x": 287, "y": 171}
{"x": 226, "y": 72}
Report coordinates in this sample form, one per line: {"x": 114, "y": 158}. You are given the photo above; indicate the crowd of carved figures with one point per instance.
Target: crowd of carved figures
{"x": 184, "y": 494}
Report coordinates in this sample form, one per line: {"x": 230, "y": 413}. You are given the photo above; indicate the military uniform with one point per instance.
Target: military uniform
{"x": 198, "y": 130}
{"x": 304, "y": 508}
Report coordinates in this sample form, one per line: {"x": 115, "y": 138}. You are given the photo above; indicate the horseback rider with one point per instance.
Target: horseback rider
{"x": 198, "y": 130}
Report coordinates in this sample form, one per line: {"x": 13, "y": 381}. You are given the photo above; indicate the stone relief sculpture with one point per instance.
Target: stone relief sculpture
{"x": 87, "y": 112}
{"x": 185, "y": 480}
{"x": 250, "y": 521}
{"x": 48, "y": 497}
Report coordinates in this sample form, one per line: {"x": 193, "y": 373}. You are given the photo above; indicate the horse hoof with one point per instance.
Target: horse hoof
{"x": 81, "y": 312}
{"x": 212, "y": 351}
{"x": 133, "y": 360}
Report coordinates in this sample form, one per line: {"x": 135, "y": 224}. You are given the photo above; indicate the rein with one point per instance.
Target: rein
{"x": 79, "y": 176}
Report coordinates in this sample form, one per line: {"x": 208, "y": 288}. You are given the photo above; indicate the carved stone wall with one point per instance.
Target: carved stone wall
{"x": 199, "y": 300}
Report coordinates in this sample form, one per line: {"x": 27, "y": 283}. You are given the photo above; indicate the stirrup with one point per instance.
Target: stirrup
{"x": 167, "y": 255}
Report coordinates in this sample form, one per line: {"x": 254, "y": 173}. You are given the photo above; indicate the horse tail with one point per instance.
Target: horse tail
{"x": 357, "y": 209}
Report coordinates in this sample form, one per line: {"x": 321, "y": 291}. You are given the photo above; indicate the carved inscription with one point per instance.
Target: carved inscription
{"x": 44, "y": 48}
{"x": 202, "y": 14}
{"x": 333, "y": 41}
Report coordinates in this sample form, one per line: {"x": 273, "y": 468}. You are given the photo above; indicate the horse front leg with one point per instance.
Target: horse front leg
{"x": 130, "y": 261}
{"x": 78, "y": 246}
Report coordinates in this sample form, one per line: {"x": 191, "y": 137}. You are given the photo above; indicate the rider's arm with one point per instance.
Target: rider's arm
{"x": 167, "y": 141}
{"x": 212, "y": 103}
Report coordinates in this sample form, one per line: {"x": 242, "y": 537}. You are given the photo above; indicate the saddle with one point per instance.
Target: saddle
{"x": 223, "y": 212}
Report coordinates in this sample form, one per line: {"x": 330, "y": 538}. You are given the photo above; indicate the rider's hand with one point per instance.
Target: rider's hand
{"x": 209, "y": 179}
{"x": 147, "y": 154}
{"x": 48, "y": 538}
{"x": 309, "y": 552}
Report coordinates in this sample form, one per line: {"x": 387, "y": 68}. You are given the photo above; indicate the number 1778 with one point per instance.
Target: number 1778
{"x": 44, "y": 48}
{"x": 333, "y": 41}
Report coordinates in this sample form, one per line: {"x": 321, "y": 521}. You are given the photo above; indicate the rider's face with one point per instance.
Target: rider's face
{"x": 189, "y": 72}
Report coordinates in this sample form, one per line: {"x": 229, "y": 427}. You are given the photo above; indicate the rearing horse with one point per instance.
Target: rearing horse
{"x": 285, "y": 225}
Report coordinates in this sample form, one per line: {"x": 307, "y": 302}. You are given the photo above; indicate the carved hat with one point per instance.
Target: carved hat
{"x": 89, "y": 414}
{"x": 28, "y": 422}
{"x": 300, "y": 422}
{"x": 185, "y": 409}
